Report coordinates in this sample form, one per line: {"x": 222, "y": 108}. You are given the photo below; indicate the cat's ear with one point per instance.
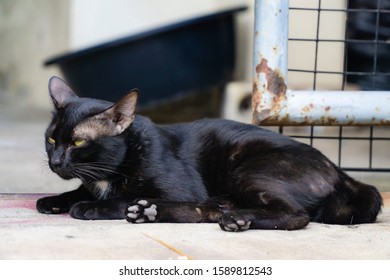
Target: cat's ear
{"x": 60, "y": 92}
{"x": 122, "y": 113}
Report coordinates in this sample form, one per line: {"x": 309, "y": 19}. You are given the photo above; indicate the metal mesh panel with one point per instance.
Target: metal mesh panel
{"x": 353, "y": 54}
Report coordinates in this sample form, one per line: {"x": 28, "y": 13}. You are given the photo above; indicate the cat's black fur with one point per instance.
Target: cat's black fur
{"x": 238, "y": 175}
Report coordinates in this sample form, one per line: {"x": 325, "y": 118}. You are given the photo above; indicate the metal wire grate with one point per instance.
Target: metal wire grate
{"x": 361, "y": 46}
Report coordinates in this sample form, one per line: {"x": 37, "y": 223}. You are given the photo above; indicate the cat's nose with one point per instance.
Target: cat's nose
{"x": 57, "y": 158}
{"x": 56, "y": 163}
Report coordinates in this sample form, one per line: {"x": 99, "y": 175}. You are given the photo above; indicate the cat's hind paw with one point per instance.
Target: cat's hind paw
{"x": 229, "y": 222}
{"x": 141, "y": 211}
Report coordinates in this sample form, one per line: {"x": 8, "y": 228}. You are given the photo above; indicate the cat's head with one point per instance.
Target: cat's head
{"x": 85, "y": 138}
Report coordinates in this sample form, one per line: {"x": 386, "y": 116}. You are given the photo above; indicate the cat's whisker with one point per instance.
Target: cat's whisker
{"x": 107, "y": 170}
{"x": 44, "y": 165}
{"x": 94, "y": 172}
{"x": 83, "y": 173}
{"x": 44, "y": 154}
{"x": 45, "y": 170}
{"x": 96, "y": 168}
{"x": 101, "y": 163}
{"x": 102, "y": 172}
{"x": 99, "y": 167}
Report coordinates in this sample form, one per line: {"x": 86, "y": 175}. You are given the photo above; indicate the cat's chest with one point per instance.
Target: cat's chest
{"x": 102, "y": 188}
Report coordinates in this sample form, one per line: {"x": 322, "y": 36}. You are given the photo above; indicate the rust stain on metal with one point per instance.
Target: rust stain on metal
{"x": 275, "y": 49}
{"x": 255, "y": 96}
{"x": 384, "y": 122}
{"x": 275, "y": 87}
{"x": 322, "y": 121}
{"x": 305, "y": 121}
{"x": 307, "y": 108}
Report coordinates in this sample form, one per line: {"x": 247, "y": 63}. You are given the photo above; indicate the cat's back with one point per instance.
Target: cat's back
{"x": 226, "y": 132}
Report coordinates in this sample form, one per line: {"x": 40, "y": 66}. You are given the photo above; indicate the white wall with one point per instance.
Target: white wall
{"x": 30, "y": 32}
{"x": 303, "y": 24}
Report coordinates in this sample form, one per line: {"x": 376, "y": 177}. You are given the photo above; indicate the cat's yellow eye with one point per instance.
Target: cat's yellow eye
{"x": 79, "y": 142}
{"x": 51, "y": 140}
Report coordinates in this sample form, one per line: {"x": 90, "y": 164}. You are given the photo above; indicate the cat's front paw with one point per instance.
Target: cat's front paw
{"x": 141, "y": 211}
{"x": 84, "y": 211}
{"x": 231, "y": 222}
{"x": 95, "y": 210}
{"x": 52, "y": 205}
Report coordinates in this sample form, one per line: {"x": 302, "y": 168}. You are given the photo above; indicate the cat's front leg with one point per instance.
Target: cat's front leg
{"x": 62, "y": 203}
{"x": 107, "y": 209}
{"x": 155, "y": 210}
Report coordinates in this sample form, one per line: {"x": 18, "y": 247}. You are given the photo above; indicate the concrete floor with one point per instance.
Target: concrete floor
{"x": 26, "y": 234}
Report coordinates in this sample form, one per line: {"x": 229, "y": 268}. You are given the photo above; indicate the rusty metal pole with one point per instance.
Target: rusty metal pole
{"x": 274, "y": 104}
{"x": 269, "y": 56}
{"x": 331, "y": 108}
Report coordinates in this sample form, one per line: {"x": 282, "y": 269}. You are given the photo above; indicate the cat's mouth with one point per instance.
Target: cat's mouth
{"x": 84, "y": 173}
{"x": 64, "y": 173}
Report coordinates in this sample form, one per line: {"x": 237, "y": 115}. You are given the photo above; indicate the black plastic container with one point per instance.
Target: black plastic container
{"x": 163, "y": 63}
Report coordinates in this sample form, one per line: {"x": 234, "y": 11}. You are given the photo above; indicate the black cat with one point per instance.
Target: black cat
{"x": 238, "y": 175}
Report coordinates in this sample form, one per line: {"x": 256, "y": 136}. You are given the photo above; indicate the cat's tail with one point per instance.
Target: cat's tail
{"x": 352, "y": 202}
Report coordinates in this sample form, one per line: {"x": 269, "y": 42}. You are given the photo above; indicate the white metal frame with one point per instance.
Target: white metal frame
{"x": 274, "y": 104}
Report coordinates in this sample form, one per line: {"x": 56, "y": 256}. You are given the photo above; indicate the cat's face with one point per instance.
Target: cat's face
{"x": 85, "y": 137}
